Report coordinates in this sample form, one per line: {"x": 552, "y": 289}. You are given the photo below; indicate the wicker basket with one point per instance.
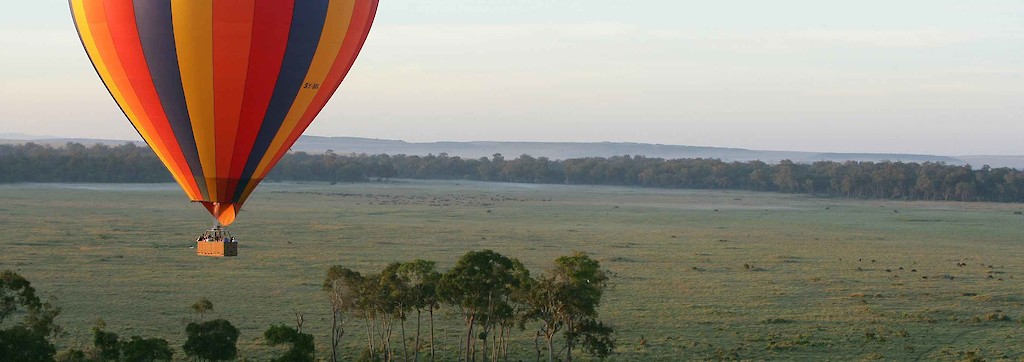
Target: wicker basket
{"x": 216, "y": 248}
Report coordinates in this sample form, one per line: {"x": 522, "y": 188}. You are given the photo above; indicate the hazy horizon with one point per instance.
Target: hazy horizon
{"x": 31, "y": 137}
{"x": 921, "y": 77}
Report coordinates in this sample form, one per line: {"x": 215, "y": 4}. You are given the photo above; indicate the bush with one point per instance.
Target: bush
{"x": 214, "y": 340}
{"x": 146, "y": 349}
{"x": 302, "y": 344}
{"x": 106, "y": 344}
{"x": 22, "y": 344}
{"x": 25, "y": 341}
{"x": 71, "y": 355}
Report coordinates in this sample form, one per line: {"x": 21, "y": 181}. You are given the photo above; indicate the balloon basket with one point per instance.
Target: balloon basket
{"x": 216, "y": 242}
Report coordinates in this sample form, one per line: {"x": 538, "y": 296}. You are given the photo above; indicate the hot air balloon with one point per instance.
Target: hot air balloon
{"x": 221, "y": 89}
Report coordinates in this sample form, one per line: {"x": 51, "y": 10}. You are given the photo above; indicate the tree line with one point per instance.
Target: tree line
{"x": 493, "y": 294}
{"x": 873, "y": 180}
{"x": 75, "y": 162}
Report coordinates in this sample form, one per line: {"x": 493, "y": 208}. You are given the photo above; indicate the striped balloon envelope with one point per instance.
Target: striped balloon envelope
{"x": 221, "y": 89}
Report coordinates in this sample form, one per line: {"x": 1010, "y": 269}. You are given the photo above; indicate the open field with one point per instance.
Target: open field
{"x": 699, "y": 274}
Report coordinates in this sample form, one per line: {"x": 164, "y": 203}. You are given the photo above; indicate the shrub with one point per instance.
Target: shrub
{"x": 213, "y": 340}
{"x": 146, "y": 349}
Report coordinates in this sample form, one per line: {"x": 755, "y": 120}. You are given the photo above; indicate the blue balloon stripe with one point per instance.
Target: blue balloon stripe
{"x": 156, "y": 31}
{"x": 307, "y": 25}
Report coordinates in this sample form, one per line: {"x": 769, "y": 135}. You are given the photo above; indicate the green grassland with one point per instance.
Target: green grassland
{"x": 698, "y": 274}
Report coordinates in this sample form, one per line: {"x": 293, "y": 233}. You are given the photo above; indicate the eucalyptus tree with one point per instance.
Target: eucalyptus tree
{"x": 565, "y": 299}
{"x": 396, "y": 300}
{"x": 422, "y": 279}
{"x": 480, "y": 285}
{"x": 342, "y": 286}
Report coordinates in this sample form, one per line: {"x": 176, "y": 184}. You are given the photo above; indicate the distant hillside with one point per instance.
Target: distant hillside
{"x": 1016, "y": 162}
{"x": 57, "y": 142}
{"x": 564, "y": 150}
{"x": 21, "y": 136}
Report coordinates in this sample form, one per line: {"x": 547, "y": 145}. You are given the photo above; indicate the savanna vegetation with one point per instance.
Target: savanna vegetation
{"x": 494, "y": 295}
{"x": 26, "y": 321}
{"x": 698, "y": 274}
{"x": 866, "y": 180}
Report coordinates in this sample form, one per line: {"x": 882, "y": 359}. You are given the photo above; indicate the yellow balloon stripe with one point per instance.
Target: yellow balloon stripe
{"x": 85, "y": 30}
{"x": 193, "y": 29}
{"x": 339, "y": 15}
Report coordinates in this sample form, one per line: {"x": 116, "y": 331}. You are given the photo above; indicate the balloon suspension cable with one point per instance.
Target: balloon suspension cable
{"x": 217, "y": 232}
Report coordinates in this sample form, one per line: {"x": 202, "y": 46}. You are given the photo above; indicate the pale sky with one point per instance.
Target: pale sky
{"x": 910, "y": 76}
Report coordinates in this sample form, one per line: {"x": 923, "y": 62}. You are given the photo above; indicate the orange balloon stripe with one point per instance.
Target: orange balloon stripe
{"x": 125, "y": 37}
{"x": 86, "y": 34}
{"x": 359, "y": 27}
{"x": 308, "y": 20}
{"x": 232, "y": 38}
{"x": 363, "y": 16}
{"x": 271, "y": 36}
{"x": 336, "y": 24}
{"x": 155, "y": 28}
{"x": 96, "y": 20}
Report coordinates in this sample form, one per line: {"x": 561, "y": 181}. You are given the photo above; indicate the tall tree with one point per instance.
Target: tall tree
{"x": 478, "y": 284}
{"x": 395, "y": 302}
{"x": 343, "y": 287}
{"x": 566, "y": 298}
{"x": 422, "y": 278}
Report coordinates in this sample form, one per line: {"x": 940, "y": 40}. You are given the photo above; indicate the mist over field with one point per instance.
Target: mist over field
{"x": 563, "y": 150}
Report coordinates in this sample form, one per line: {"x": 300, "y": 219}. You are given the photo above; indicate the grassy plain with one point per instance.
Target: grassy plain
{"x": 699, "y": 274}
